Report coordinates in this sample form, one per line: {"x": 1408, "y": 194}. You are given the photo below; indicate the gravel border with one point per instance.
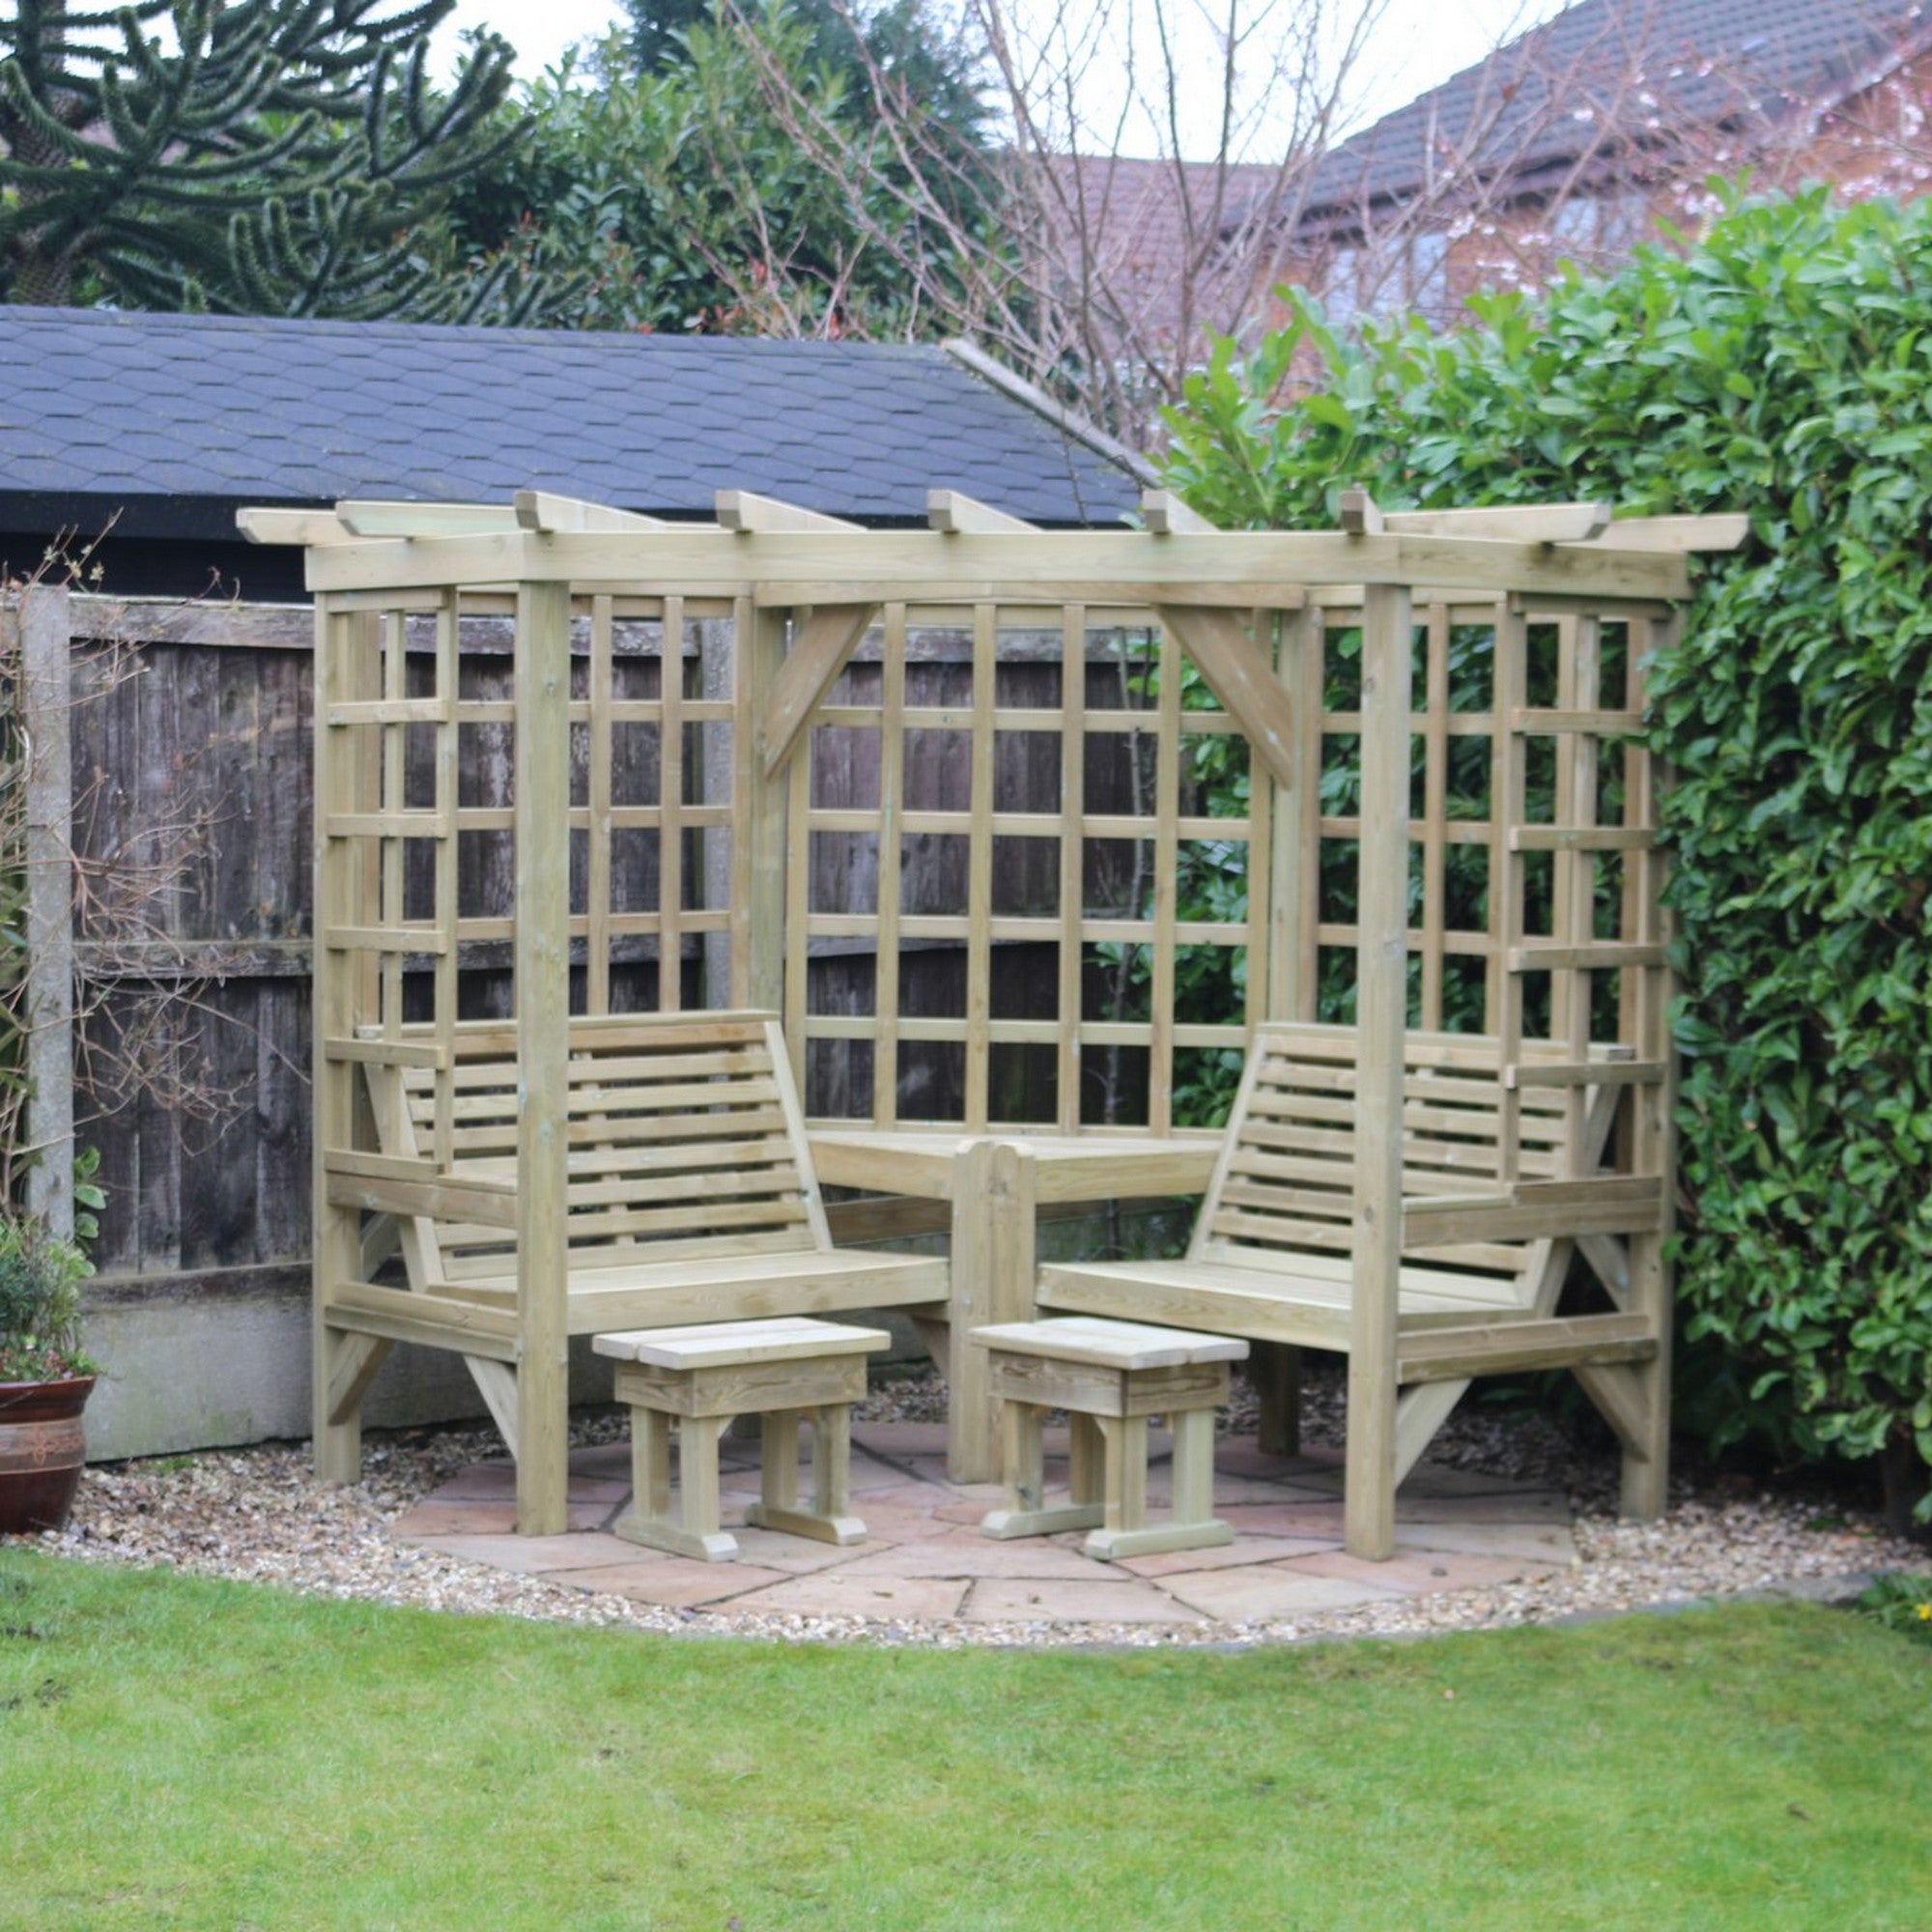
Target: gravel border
{"x": 258, "y": 1515}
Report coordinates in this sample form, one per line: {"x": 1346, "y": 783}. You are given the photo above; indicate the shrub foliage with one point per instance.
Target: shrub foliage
{"x": 1783, "y": 366}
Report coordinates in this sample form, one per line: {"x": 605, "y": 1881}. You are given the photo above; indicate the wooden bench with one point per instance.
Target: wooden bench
{"x": 691, "y": 1192}
{"x": 1110, "y": 1376}
{"x": 1486, "y": 1252}
{"x": 786, "y": 1372}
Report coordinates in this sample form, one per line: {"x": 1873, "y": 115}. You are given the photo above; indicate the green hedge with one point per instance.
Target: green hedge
{"x": 1781, "y": 366}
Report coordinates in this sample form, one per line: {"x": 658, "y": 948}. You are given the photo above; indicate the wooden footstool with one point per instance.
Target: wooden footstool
{"x": 784, "y": 1370}
{"x": 1110, "y": 1376}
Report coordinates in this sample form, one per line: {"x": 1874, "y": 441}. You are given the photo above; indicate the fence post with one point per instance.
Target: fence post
{"x": 45, "y": 713}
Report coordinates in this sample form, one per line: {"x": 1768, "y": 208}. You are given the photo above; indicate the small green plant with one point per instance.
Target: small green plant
{"x": 40, "y": 1304}
{"x": 1900, "y": 1602}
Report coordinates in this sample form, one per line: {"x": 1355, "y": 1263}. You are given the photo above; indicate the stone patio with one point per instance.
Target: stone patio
{"x": 925, "y": 1559}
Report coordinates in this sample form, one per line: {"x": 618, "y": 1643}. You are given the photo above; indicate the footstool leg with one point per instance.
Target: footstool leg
{"x": 1192, "y": 1524}
{"x": 696, "y": 1531}
{"x": 778, "y": 1508}
{"x": 777, "y": 1479}
{"x": 831, "y": 1460}
{"x": 1085, "y": 1460}
{"x": 1125, "y": 1492}
{"x": 1194, "y": 1474}
{"x": 1023, "y": 1462}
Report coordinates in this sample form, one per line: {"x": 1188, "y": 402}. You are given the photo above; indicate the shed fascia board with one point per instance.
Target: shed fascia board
{"x": 875, "y": 565}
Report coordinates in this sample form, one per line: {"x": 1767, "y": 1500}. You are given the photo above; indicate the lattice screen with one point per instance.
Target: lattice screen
{"x": 416, "y": 809}
{"x": 1046, "y": 832}
{"x": 1521, "y": 905}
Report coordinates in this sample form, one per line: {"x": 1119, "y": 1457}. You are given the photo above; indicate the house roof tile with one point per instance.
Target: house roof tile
{"x": 1530, "y": 105}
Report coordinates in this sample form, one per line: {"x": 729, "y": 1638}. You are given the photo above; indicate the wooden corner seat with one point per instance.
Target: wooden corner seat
{"x": 1486, "y": 1254}
{"x": 691, "y": 1192}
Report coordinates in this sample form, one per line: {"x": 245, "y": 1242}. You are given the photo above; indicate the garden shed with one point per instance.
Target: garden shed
{"x": 142, "y": 436}
{"x": 1422, "y": 888}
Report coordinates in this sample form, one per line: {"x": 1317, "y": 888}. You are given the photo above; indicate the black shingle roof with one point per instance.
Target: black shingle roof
{"x": 176, "y": 419}
{"x": 1702, "y": 60}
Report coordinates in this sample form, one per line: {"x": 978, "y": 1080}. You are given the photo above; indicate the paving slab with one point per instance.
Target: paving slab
{"x": 1320, "y": 1522}
{"x": 672, "y": 1582}
{"x": 1242, "y": 1552}
{"x": 902, "y": 1439}
{"x": 1269, "y": 1592}
{"x": 1023, "y": 1556}
{"x": 923, "y": 1558}
{"x": 482, "y": 1482}
{"x": 793, "y": 1556}
{"x": 1419, "y": 1573}
{"x": 1243, "y": 1456}
{"x": 1009, "y": 1599}
{"x": 838, "y": 1593}
{"x": 1437, "y": 1479}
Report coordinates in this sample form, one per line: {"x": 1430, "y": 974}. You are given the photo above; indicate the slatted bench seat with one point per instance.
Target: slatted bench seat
{"x": 690, "y": 1194}
{"x": 1487, "y": 1250}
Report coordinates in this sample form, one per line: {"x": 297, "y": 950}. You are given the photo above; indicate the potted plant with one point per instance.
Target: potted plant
{"x": 46, "y": 1379}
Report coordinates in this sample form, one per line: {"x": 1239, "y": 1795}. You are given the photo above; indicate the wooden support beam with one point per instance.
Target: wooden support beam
{"x": 1165, "y": 515}
{"x": 1102, "y": 567}
{"x": 368, "y": 518}
{"x": 549, "y": 515}
{"x": 747, "y": 513}
{"x": 955, "y": 514}
{"x": 1545, "y": 956}
{"x": 824, "y": 643}
{"x": 1522, "y": 523}
{"x": 1504, "y": 1348}
{"x": 1237, "y": 672}
{"x": 542, "y": 780}
{"x": 1359, "y": 515}
{"x": 354, "y": 1360}
{"x": 305, "y": 527}
{"x": 1382, "y": 1005}
{"x": 1678, "y": 535}
{"x": 1624, "y": 1401}
{"x": 496, "y": 1384}
{"x": 433, "y": 1320}
{"x": 1418, "y": 1414}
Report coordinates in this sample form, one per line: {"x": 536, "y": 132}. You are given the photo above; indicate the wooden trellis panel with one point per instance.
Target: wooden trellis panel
{"x": 1121, "y": 707}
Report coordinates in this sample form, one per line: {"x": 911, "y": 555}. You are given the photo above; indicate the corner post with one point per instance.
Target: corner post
{"x": 542, "y": 964}
{"x": 346, "y": 669}
{"x": 1646, "y": 1476}
{"x": 758, "y": 809}
{"x": 1381, "y": 1011}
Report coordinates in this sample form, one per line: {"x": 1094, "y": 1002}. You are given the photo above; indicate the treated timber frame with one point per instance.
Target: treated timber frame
{"x": 1257, "y": 615}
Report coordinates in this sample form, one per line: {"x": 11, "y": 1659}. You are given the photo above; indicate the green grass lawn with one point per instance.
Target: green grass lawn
{"x": 176, "y": 1753}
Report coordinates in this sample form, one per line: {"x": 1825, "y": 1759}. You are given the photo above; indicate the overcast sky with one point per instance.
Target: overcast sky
{"x": 1418, "y": 44}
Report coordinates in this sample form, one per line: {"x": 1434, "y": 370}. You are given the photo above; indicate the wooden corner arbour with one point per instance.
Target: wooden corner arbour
{"x": 1438, "y": 813}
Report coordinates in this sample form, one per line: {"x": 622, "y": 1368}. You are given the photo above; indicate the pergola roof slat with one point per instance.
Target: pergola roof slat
{"x": 859, "y": 566}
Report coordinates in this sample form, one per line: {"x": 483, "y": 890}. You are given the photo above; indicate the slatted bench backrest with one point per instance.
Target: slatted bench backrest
{"x": 1285, "y": 1193}
{"x": 685, "y": 1139}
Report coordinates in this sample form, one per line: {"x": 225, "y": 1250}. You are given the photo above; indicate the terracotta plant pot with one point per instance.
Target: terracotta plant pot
{"x": 42, "y": 1449}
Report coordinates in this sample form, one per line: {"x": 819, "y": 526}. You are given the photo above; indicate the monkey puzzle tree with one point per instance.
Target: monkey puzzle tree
{"x": 250, "y": 156}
